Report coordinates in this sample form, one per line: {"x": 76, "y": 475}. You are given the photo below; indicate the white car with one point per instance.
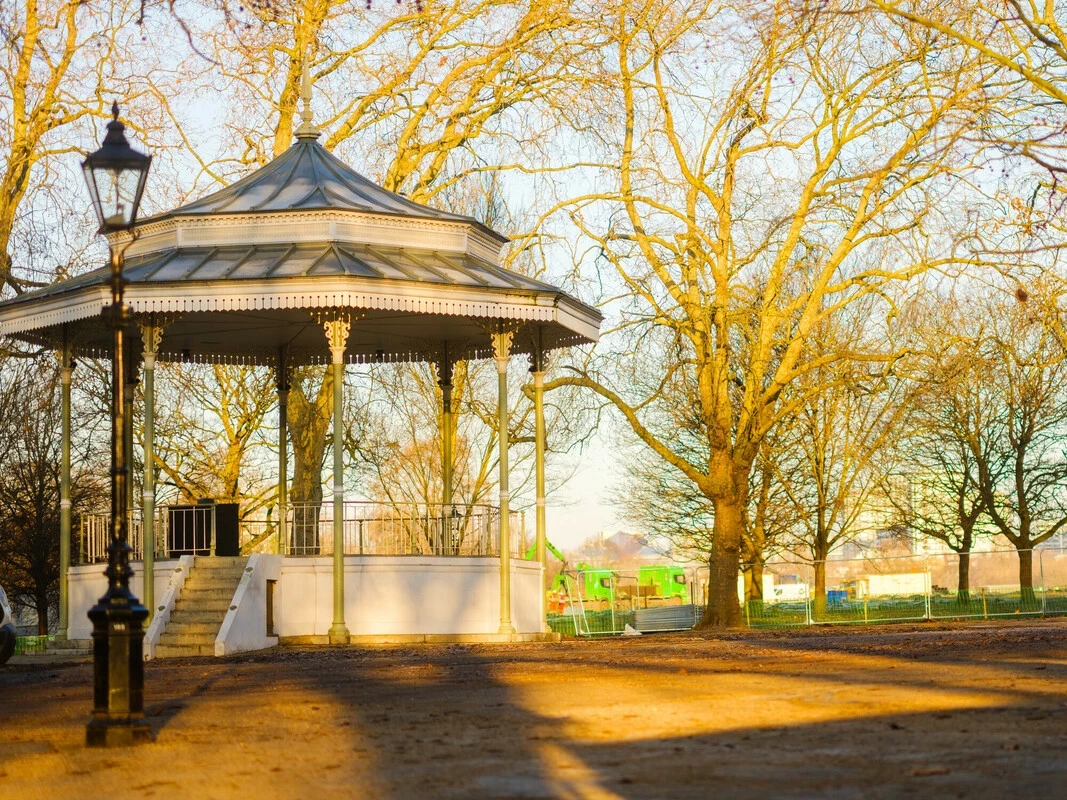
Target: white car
{"x": 7, "y": 628}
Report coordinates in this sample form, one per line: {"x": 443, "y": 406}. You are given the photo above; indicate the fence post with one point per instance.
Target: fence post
{"x": 1041, "y": 577}
{"x": 928, "y": 588}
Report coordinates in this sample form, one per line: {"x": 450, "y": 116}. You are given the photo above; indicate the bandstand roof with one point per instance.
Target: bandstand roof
{"x": 248, "y": 270}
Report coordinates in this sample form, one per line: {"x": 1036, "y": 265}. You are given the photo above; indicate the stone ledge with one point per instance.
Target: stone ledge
{"x": 425, "y": 638}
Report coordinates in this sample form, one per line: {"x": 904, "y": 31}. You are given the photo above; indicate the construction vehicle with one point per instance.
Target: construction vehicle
{"x": 663, "y": 581}
{"x": 593, "y": 584}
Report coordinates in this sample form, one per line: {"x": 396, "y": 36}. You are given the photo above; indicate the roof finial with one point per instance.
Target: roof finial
{"x": 306, "y": 127}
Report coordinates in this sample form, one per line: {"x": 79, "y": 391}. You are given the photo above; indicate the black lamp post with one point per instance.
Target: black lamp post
{"x": 116, "y": 176}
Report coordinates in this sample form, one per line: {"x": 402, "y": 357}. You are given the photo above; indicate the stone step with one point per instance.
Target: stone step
{"x": 186, "y": 639}
{"x": 202, "y": 596}
{"x": 67, "y": 646}
{"x": 180, "y": 615}
{"x": 194, "y": 624}
{"x": 206, "y": 626}
{"x": 184, "y": 651}
{"x": 213, "y": 581}
{"x": 234, "y": 563}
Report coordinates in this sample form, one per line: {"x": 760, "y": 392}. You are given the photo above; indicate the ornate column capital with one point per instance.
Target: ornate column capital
{"x": 538, "y": 362}
{"x": 66, "y": 366}
{"x": 152, "y": 336}
{"x": 337, "y": 325}
{"x": 502, "y": 335}
{"x": 445, "y": 366}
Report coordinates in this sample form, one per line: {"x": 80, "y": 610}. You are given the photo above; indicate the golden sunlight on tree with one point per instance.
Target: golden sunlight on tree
{"x": 759, "y": 196}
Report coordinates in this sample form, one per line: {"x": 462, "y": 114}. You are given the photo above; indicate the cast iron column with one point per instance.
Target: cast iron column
{"x": 537, "y": 368}
{"x": 337, "y": 335}
{"x": 444, "y": 380}
{"x": 152, "y": 336}
{"x": 66, "y": 373}
{"x": 502, "y": 349}
{"x": 283, "y": 449}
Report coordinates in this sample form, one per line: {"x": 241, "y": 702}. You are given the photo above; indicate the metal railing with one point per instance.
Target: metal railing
{"x": 179, "y": 530}
{"x": 399, "y": 529}
{"x": 96, "y": 535}
{"x": 368, "y": 529}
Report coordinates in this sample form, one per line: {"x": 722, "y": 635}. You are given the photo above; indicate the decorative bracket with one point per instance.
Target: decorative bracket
{"x": 337, "y": 325}
{"x": 152, "y": 336}
{"x": 538, "y": 355}
{"x": 501, "y": 334}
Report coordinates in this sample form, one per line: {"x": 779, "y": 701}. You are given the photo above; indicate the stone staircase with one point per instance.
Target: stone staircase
{"x": 201, "y": 608}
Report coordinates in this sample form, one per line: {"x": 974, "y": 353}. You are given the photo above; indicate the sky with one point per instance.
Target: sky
{"x": 581, "y": 509}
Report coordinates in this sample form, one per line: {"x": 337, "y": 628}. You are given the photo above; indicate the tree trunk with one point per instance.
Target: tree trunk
{"x": 754, "y": 585}
{"x": 41, "y": 602}
{"x": 820, "y": 589}
{"x": 309, "y": 428}
{"x": 1027, "y": 600}
{"x": 723, "y": 609}
{"x": 963, "y": 584}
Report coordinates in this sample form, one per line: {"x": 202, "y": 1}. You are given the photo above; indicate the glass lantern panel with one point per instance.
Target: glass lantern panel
{"x": 118, "y": 190}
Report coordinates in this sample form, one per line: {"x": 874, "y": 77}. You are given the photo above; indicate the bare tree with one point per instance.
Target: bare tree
{"x": 1022, "y": 469}
{"x": 757, "y": 197}
{"x": 29, "y": 484}
{"x": 947, "y": 435}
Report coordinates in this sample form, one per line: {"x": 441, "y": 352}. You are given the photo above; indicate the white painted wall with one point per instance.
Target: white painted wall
{"x": 402, "y": 595}
{"x": 406, "y": 595}
{"x": 245, "y": 625}
{"x": 87, "y": 584}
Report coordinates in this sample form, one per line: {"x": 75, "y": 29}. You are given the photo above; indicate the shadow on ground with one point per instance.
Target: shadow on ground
{"x": 968, "y": 713}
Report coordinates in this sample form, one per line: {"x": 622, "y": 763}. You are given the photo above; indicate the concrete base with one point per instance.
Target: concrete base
{"x": 426, "y": 638}
{"x": 339, "y": 635}
{"x": 121, "y": 733}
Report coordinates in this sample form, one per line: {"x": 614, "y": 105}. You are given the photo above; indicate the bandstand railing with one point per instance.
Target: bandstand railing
{"x": 176, "y": 532}
{"x": 369, "y": 528}
{"x": 399, "y": 529}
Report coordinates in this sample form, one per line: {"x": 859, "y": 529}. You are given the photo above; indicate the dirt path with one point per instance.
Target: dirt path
{"x": 925, "y": 711}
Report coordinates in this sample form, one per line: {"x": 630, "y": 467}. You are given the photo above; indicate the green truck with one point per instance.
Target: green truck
{"x": 663, "y": 581}
{"x": 603, "y": 584}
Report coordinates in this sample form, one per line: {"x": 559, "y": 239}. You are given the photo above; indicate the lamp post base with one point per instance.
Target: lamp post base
{"x": 111, "y": 733}
{"x": 118, "y": 688}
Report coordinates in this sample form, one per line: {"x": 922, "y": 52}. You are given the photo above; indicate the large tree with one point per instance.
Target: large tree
{"x": 758, "y": 195}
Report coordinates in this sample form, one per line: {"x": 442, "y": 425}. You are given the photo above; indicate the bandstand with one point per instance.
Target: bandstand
{"x": 303, "y": 262}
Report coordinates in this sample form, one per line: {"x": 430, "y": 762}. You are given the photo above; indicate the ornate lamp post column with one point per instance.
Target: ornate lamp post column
{"x": 115, "y": 175}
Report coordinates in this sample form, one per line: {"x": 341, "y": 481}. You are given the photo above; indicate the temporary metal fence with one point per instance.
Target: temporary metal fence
{"x": 604, "y": 601}
{"x": 905, "y": 588}
{"x": 867, "y": 590}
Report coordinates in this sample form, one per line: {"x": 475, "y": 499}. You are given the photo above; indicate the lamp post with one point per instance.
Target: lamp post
{"x": 115, "y": 175}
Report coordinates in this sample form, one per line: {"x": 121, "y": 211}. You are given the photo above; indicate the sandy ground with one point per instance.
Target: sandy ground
{"x": 921, "y": 711}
